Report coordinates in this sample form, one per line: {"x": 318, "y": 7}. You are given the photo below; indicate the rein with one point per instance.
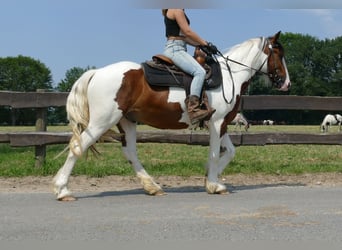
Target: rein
{"x": 226, "y": 59}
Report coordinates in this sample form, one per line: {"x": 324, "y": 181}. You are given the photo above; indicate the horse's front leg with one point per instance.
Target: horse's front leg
{"x": 130, "y": 151}
{"x": 227, "y": 152}
{"x": 212, "y": 184}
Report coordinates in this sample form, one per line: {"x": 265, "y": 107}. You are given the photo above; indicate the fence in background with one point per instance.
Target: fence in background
{"x": 41, "y": 101}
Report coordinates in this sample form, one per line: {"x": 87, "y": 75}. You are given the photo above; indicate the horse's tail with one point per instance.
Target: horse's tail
{"x": 78, "y": 110}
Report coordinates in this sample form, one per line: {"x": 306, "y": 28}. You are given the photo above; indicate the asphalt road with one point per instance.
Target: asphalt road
{"x": 253, "y": 213}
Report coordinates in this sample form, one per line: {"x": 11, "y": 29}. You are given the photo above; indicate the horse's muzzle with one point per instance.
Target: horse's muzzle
{"x": 285, "y": 86}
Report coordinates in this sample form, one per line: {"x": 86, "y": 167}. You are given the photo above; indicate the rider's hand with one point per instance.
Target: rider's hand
{"x": 209, "y": 49}
{"x": 212, "y": 48}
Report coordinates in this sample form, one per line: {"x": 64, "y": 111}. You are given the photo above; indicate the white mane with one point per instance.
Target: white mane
{"x": 246, "y": 45}
{"x": 248, "y": 53}
{"x": 244, "y": 60}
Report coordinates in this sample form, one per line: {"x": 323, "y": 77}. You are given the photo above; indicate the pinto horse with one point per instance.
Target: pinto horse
{"x": 329, "y": 120}
{"x": 118, "y": 94}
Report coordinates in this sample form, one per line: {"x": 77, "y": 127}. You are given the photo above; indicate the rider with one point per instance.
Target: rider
{"x": 179, "y": 34}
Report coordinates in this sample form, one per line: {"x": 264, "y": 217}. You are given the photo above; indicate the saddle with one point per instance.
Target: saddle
{"x": 161, "y": 71}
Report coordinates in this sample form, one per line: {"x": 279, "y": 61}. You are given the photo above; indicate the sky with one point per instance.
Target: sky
{"x": 64, "y": 34}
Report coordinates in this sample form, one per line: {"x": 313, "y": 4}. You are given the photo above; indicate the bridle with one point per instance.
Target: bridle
{"x": 274, "y": 76}
{"x": 276, "y": 79}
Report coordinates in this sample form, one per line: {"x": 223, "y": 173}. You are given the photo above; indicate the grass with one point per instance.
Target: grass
{"x": 177, "y": 159}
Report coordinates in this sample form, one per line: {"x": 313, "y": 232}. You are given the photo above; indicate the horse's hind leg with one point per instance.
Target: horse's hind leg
{"x": 60, "y": 181}
{"x": 130, "y": 151}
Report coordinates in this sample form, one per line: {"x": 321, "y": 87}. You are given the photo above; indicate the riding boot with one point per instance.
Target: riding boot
{"x": 205, "y": 105}
{"x": 196, "y": 114}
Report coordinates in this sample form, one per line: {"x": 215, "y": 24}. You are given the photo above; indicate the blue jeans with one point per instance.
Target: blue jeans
{"x": 177, "y": 52}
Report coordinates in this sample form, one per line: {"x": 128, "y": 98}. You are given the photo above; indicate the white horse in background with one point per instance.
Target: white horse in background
{"x": 240, "y": 120}
{"x": 329, "y": 120}
{"x": 268, "y": 122}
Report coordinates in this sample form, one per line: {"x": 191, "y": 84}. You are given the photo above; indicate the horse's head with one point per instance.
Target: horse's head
{"x": 276, "y": 66}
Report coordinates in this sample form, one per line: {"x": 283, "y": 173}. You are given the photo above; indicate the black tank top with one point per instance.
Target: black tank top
{"x": 171, "y": 26}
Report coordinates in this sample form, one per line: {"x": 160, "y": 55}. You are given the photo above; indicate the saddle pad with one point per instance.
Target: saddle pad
{"x": 162, "y": 75}
{"x": 158, "y": 74}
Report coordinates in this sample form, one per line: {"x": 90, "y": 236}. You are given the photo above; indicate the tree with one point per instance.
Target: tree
{"x": 71, "y": 77}
{"x": 22, "y": 73}
{"x": 334, "y": 69}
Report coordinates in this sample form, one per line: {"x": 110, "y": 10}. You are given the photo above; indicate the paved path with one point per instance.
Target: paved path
{"x": 253, "y": 213}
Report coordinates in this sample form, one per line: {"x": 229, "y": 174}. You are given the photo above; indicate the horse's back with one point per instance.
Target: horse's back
{"x": 105, "y": 84}
{"x": 108, "y": 79}
{"x": 117, "y": 69}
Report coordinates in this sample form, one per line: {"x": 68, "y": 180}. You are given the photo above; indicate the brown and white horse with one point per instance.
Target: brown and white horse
{"x": 118, "y": 94}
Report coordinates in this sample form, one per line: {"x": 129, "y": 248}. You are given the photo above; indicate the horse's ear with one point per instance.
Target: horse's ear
{"x": 275, "y": 38}
{"x": 277, "y": 35}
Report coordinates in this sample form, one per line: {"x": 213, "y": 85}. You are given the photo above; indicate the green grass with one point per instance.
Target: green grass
{"x": 178, "y": 159}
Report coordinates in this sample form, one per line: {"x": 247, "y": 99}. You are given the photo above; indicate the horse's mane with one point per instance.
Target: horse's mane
{"x": 248, "y": 44}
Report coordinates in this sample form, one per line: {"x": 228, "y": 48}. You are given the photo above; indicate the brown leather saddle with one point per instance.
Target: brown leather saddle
{"x": 161, "y": 71}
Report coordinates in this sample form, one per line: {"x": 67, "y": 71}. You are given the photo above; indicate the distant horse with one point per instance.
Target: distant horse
{"x": 119, "y": 94}
{"x": 240, "y": 120}
{"x": 268, "y": 122}
{"x": 331, "y": 120}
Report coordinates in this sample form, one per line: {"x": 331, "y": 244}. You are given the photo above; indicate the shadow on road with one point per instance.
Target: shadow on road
{"x": 190, "y": 189}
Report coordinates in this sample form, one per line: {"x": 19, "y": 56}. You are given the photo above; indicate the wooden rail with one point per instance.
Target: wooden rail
{"x": 25, "y": 139}
{"x": 259, "y": 102}
{"x": 42, "y": 100}
{"x": 268, "y": 102}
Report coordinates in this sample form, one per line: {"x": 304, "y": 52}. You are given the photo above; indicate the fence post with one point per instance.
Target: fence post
{"x": 41, "y": 121}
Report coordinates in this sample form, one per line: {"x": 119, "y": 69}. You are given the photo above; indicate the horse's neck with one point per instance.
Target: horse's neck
{"x": 249, "y": 53}
{"x": 235, "y": 75}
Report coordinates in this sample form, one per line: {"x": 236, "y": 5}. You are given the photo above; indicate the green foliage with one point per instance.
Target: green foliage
{"x": 314, "y": 66}
{"x": 315, "y": 69}
{"x": 71, "y": 77}
{"x": 23, "y": 73}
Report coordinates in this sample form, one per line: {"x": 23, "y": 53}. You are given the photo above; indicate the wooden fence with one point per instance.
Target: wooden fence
{"x": 42, "y": 100}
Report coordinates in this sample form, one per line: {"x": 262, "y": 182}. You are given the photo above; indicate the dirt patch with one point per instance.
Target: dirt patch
{"x": 120, "y": 183}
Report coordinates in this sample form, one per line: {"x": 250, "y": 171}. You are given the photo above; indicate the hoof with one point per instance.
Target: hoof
{"x": 221, "y": 192}
{"x": 159, "y": 192}
{"x": 215, "y": 188}
{"x": 67, "y": 198}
